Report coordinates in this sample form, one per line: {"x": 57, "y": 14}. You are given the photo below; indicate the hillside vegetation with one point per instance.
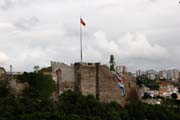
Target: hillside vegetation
{"x": 36, "y": 104}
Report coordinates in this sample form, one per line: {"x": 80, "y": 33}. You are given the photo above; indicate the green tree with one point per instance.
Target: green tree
{"x": 4, "y": 88}
{"x": 40, "y": 85}
{"x": 174, "y": 96}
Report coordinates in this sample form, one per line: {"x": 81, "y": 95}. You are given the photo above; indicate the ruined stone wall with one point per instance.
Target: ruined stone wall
{"x": 65, "y": 86}
{"x": 67, "y": 71}
{"x": 95, "y": 79}
{"x": 109, "y": 90}
{"x": 17, "y": 87}
{"x": 106, "y": 89}
{"x": 2, "y": 72}
{"x": 66, "y": 78}
{"x": 85, "y": 78}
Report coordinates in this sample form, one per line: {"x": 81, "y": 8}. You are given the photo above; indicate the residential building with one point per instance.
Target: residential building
{"x": 146, "y": 90}
{"x": 173, "y": 74}
{"x": 151, "y": 74}
{"x": 121, "y": 69}
{"x": 176, "y": 74}
{"x": 166, "y": 89}
{"x": 163, "y": 75}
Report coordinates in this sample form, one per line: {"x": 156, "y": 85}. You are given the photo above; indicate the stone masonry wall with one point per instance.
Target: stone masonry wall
{"x": 66, "y": 77}
{"x": 109, "y": 90}
{"x": 106, "y": 89}
{"x": 85, "y": 80}
{"x": 67, "y": 71}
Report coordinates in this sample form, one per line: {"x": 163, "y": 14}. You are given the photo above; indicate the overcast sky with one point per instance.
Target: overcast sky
{"x": 142, "y": 34}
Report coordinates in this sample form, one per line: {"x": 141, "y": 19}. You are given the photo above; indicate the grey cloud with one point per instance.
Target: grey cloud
{"x": 153, "y": 1}
{"x": 139, "y": 34}
{"x": 4, "y": 58}
{"x": 131, "y": 46}
{"x": 131, "y": 49}
{"x": 26, "y": 24}
{"x": 6, "y": 4}
{"x": 9, "y": 4}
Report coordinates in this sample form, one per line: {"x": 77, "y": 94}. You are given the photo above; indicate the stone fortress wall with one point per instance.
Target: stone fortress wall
{"x": 95, "y": 79}
{"x": 66, "y": 80}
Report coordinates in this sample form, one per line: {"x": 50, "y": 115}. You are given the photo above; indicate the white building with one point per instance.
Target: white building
{"x": 163, "y": 75}
{"x": 121, "y": 69}
{"x": 151, "y": 74}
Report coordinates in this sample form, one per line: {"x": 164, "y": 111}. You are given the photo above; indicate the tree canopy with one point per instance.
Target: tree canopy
{"x": 40, "y": 85}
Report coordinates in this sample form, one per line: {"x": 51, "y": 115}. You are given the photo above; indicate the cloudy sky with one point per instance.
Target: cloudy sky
{"x": 142, "y": 34}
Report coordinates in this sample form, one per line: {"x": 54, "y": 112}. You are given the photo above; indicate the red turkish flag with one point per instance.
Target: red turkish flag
{"x": 82, "y": 22}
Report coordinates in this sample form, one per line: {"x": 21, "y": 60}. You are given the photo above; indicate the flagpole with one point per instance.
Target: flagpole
{"x": 81, "y": 41}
